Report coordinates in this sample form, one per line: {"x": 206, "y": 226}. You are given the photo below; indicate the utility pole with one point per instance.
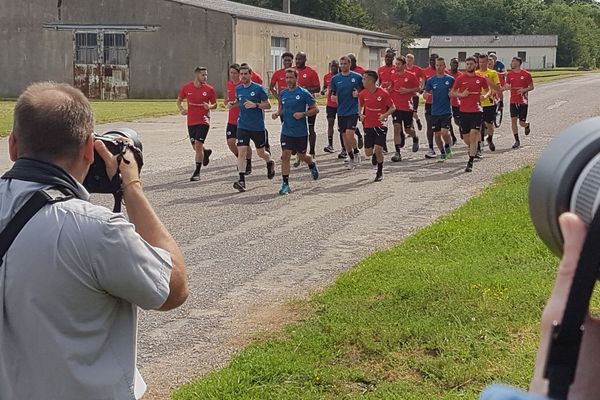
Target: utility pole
{"x": 286, "y": 6}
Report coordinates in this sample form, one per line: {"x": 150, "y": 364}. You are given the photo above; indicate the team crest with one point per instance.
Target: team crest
{"x": 304, "y": 76}
{"x": 478, "y": 81}
{"x": 204, "y": 94}
{"x": 254, "y": 94}
{"x": 522, "y": 78}
{"x": 353, "y": 80}
{"x": 379, "y": 98}
{"x": 298, "y": 97}
{"x": 447, "y": 83}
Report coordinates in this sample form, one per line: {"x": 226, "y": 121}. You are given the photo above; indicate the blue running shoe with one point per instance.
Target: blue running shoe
{"x": 314, "y": 172}
{"x": 285, "y": 189}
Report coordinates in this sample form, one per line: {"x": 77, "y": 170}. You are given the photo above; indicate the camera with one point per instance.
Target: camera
{"x": 566, "y": 177}
{"x": 117, "y": 141}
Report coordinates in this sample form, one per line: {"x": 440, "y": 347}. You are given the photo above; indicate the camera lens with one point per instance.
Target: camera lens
{"x": 127, "y": 133}
{"x": 566, "y": 178}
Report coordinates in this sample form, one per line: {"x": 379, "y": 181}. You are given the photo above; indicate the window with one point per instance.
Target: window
{"x": 522, "y": 55}
{"x": 462, "y": 56}
{"x": 279, "y": 46}
{"x": 86, "y": 48}
{"x": 374, "y": 60}
{"x": 115, "y": 49}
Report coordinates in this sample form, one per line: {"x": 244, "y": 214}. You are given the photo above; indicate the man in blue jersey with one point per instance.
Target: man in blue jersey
{"x": 437, "y": 88}
{"x": 297, "y": 105}
{"x": 345, "y": 87}
{"x": 253, "y": 100}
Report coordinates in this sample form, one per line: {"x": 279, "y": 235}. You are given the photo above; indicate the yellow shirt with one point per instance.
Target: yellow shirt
{"x": 493, "y": 75}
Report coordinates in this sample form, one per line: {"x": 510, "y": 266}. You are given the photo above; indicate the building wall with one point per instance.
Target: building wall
{"x": 534, "y": 55}
{"x": 159, "y": 62}
{"x": 253, "y": 45}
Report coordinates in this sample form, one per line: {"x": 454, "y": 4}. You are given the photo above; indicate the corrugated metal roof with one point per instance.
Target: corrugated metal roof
{"x": 495, "y": 41}
{"x": 420, "y": 43}
{"x": 244, "y": 11}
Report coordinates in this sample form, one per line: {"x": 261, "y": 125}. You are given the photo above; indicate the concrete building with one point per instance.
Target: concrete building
{"x": 114, "y": 49}
{"x": 420, "y": 49}
{"x": 537, "y": 51}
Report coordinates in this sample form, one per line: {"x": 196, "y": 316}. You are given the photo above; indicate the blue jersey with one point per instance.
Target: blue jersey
{"x": 251, "y": 119}
{"x": 297, "y": 100}
{"x": 343, "y": 86}
{"x": 440, "y": 90}
{"x": 499, "y": 66}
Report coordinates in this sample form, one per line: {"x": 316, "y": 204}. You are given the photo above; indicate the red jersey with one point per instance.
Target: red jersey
{"x": 404, "y": 80}
{"x": 278, "y": 79}
{"x": 308, "y": 78}
{"x": 326, "y": 84}
{"x": 416, "y": 71}
{"x": 474, "y": 85}
{"x": 359, "y": 70}
{"x": 454, "y": 102}
{"x": 195, "y": 97}
{"x": 385, "y": 76}
{"x": 234, "y": 112}
{"x": 518, "y": 80}
{"x": 256, "y": 78}
{"x": 373, "y": 105}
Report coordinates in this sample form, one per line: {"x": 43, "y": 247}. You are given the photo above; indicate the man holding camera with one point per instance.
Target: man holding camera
{"x": 74, "y": 277}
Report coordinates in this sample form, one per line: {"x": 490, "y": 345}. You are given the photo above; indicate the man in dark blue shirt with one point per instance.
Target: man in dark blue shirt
{"x": 253, "y": 100}
{"x": 297, "y": 105}
{"x": 345, "y": 87}
{"x": 438, "y": 89}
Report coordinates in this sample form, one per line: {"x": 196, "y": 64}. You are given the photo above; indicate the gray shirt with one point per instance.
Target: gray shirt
{"x": 70, "y": 286}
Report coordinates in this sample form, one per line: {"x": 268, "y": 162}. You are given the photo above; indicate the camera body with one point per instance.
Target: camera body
{"x": 117, "y": 141}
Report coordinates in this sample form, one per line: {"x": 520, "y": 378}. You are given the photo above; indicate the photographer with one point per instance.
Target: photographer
{"x": 586, "y": 384}
{"x": 72, "y": 280}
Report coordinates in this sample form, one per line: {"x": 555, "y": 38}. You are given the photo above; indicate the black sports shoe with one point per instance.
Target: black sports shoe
{"x": 478, "y": 155}
{"x": 240, "y": 186}
{"x": 469, "y": 167}
{"x": 402, "y": 140}
{"x": 361, "y": 142}
{"x": 491, "y": 144}
{"x": 374, "y": 159}
{"x": 271, "y": 169}
{"x": 329, "y": 149}
{"x": 207, "y": 153}
{"x": 527, "y": 129}
{"x": 516, "y": 145}
{"x": 195, "y": 177}
{"x": 419, "y": 125}
{"x": 378, "y": 177}
{"x": 343, "y": 154}
{"x": 248, "y": 168}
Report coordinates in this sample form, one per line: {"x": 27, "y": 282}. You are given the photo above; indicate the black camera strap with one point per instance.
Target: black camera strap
{"x": 567, "y": 334}
{"x": 25, "y": 213}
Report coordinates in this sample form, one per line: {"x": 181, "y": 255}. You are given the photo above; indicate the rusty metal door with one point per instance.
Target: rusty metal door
{"x": 101, "y": 64}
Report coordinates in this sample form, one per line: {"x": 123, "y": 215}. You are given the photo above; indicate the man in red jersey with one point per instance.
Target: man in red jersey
{"x": 520, "y": 83}
{"x": 233, "y": 114}
{"x": 334, "y": 68}
{"x": 375, "y": 106}
{"x": 200, "y": 98}
{"x": 418, "y": 72}
{"x": 404, "y": 87}
{"x": 278, "y": 79}
{"x": 308, "y": 78}
{"x": 455, "y": 73}
{"x": 387, "y": 71}
{"x": 470, "y": 88}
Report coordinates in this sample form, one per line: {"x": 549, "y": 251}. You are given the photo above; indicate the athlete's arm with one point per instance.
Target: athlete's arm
{"x": 278, "y": 113}
{"x": 182, "y": 110}
{"x": 272, "y": 89}
{"x": 312, "y": 110}
{"x": 389, "y": 112}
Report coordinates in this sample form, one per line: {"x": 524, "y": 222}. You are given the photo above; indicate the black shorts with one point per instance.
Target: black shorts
{"x": 403, "y": 117}
{"x": 312, "y": 120}
{"x": 375, "y": 137}
{"x": 489, "y": 114}
{"x": 470, "y": 121}
{"x": 519, "y": 111}
{"x": 439, "y": 122}
{"x": 427, "y": 109}
{"x": 198, "y": 132}
{"x": 258, "y": 137}
{"x": 331, "y": 112}
{"x": 295, "y": 144}
{"x": 416, "y": 100}
{"x": 231, "y": 131}
{"x": 348, "y": 122}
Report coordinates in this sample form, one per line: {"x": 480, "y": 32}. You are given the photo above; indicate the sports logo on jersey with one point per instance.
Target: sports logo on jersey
{"x": 353, "y": 80}
{"x": 435, "y": 86}
{"x": 405, "y": 79}
{"x": 254, "y": 94}
{"x": 447, "y": 83}
{"x": 204, "y": 94}
{"x": 379, "y": 98}
{"x": 477, "y": 81}
{"x": 297, "y": 97}
{"x": 304, "y": 76}
{"x": 522, "y": 78}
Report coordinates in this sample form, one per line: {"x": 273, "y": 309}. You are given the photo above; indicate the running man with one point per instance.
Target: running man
{"x": 455, "y": 73}
{"x": 277, "y": 84}
{"x": 404, "y": 87}
{"x": 354, "y": 67}
{"x": 386, "y": 72}
{"x": 437, "y": 89}
{"x": 418, "y": 72}
{"x": 200, "y": 98}
{"x": 488, "y": 103}
{"x": 308, "y": 78}
{"x": 469, "y": 88}
{"x": 252, "y": 99}
{"x": 375, "y": 107}
{"x": 233, "y": 114}
{"x": 297, "y": 105}
{"x": 520, "y": 83}
{"x": 331, "y": 108}
{"x": 428, "y": 73}
{"x": 345, "y": 87}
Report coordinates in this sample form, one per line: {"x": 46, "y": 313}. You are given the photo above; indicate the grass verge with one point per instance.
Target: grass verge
{"x": 453, "y": 308}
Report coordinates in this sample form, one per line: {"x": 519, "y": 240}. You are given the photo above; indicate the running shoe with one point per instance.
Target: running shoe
{"x": 207, "y": 153}
{"x": 397, "y": 157}
{"x": 478, "y": 155}
{"x": 314, "y": 172}
{"x": 415, "y": 146}
{"x": 350, "y": 165}
{"x": 271, "y": 169}
{"x": 378, "y": 177}
{"x": 430, "y": 154}
{"x": 285, "y": 189}
{"x": 342, "y": 154}
{"x": 329, "y": 149}
{"x": 516, "y": 145}
{"x": 442, "y": 158}
{"x": 361, "y": 142}
{"x": 449, "y": 153}
{"x": 195, "y": 177}
{"x": 248, "y": 168}
{"x": 402, "y": 140}
{"x": 296, "y": 162}
{"x": 419, "y": 125}
{"x": 357, "y": 158}
{"x": 491, "y": 144}
{"x": 469, "y": 167}
{"x": 240, "y": 186}
{"x": 528, "y": 129}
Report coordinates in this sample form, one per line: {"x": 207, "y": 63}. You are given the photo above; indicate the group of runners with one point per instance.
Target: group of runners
{"x": 471, "y": 98}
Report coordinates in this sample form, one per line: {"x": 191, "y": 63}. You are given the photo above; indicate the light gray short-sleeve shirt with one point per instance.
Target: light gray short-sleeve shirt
{"x": 70, "y": 286}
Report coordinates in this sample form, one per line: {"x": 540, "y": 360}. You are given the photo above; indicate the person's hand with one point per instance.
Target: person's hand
{"x": 361, "y": 118}
{"x": 299, "y": 115}
{"x": 522, "y": 90}
{"x": 587, "y": 381}
{"x": 426, "y": 95}
{"x": 507, "y": 87}
{"x": 250, "y": 104}
{"x": 464, "y": 94}
{"x": 383, "y": 118}
{"x": 129, "y": 171}
{"x": 183, "y": 111}
{"x": 334, "y": 98}
{"x": 323, "y": 92}
{"x": 275, "y": 115}
{"x": 355, "y": 93}
{"x": 206, "y": 106}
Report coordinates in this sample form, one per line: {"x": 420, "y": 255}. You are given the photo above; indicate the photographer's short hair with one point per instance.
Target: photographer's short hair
{"x": 52, "y": 121}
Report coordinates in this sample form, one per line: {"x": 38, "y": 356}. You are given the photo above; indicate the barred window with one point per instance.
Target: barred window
{"x": 115, "y": 49}
{"x": 86, "y": 48}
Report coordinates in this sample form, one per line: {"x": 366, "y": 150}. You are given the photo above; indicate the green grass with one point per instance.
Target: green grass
{"x": 450, "y": 310}
{"x": 550, "y": 75}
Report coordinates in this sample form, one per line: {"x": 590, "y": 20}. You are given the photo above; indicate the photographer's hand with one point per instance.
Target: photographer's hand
{"x": 129, "y": 171}
{"x": 586, "y": 384}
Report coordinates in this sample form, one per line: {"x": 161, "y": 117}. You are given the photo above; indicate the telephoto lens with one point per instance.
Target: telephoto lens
{"x": 566, "y": 177}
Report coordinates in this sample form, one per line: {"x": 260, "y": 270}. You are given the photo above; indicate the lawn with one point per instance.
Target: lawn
{"x": 450, "y": 310}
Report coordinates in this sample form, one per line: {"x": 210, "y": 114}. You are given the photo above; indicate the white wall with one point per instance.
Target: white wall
{"x": 534, "y": 55}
